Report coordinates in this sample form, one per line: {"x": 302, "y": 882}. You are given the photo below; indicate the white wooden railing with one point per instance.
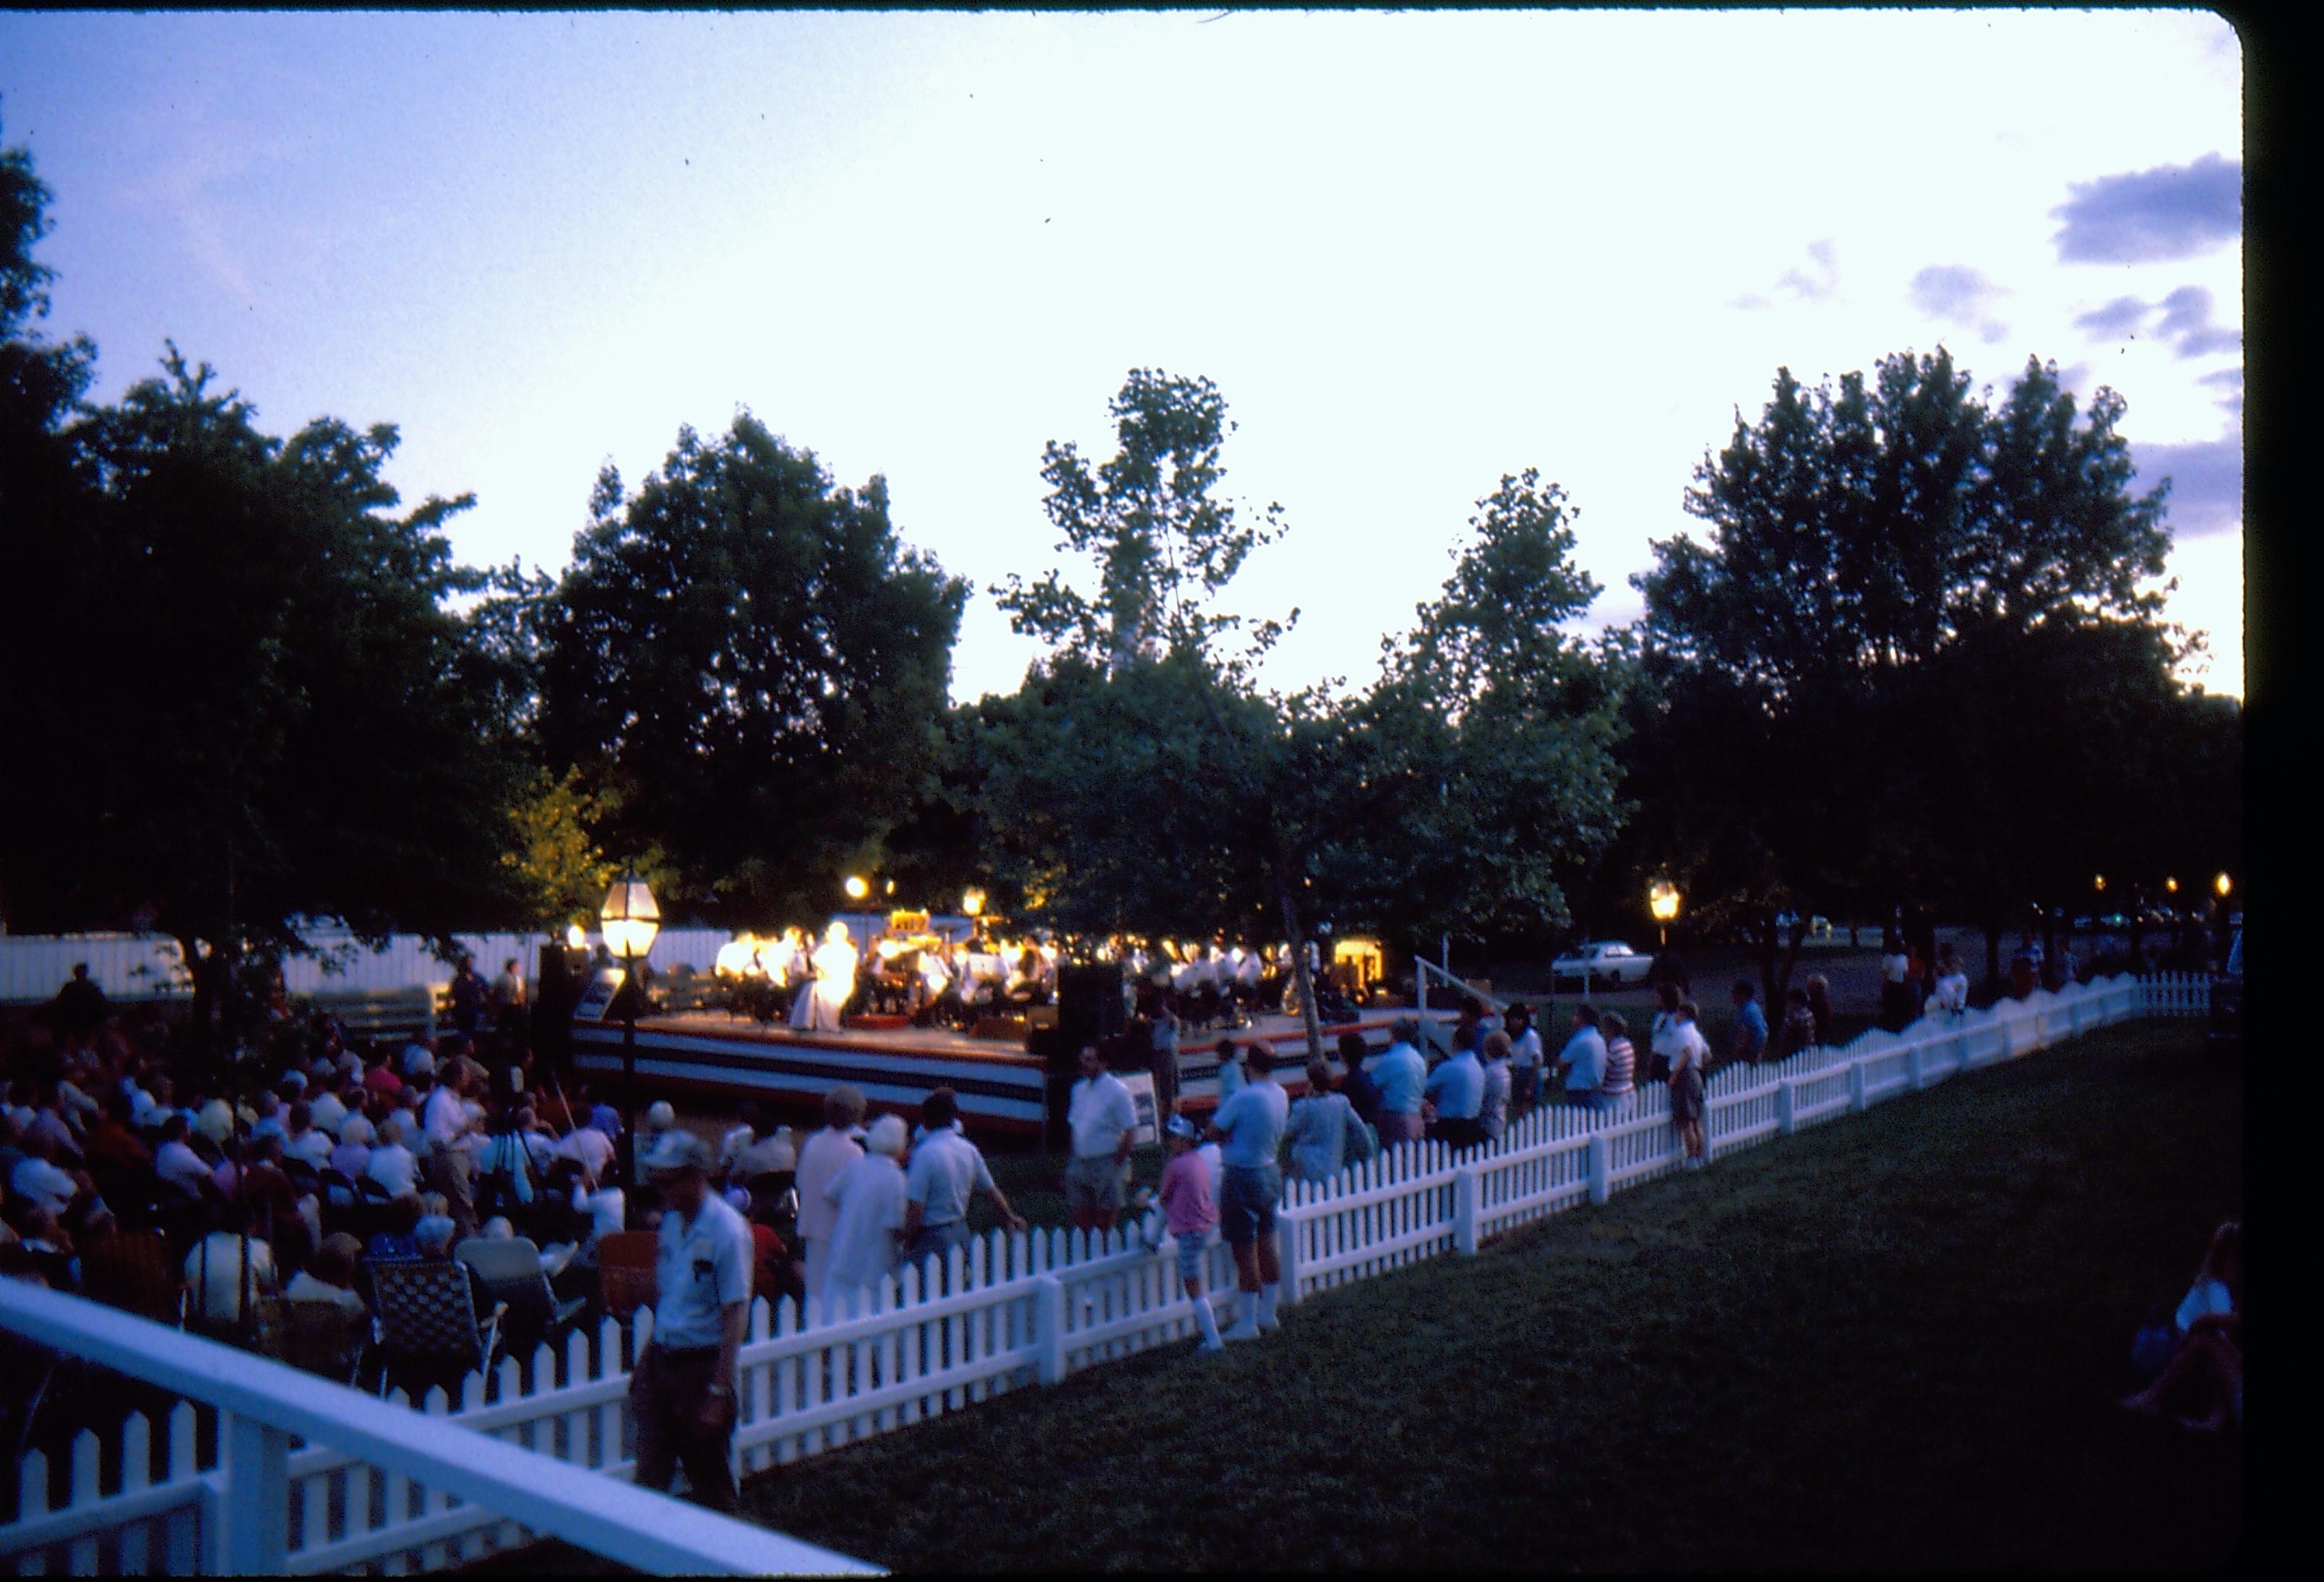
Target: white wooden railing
{"x": 238, "y": 1518}
{"x": 1012, "y": 1310}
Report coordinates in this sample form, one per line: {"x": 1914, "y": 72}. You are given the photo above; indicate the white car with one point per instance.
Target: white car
{"x": 1608, "y": 961}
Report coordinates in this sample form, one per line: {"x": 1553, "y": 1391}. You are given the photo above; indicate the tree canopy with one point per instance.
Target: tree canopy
{"x": 749, "y": 666}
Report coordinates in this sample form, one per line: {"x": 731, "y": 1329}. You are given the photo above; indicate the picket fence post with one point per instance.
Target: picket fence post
{"x": 1464, "y": 1212}
{"x": 1602, "y": 1168}
{"x": 1785, "y": 1100}
{"x": 1857, "y": 1103}
{"x": 1050, "y": 1326}
{"x": 258, "y": 1497}
{"x": 1912, "y": 1067}
{"x": 1286, "y": 1254}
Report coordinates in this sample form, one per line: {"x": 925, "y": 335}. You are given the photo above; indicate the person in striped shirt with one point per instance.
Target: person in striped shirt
{"x": 1621, "y": 1059}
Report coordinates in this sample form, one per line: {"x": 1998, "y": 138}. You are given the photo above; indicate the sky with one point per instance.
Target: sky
{"x": 1414, "y": 251}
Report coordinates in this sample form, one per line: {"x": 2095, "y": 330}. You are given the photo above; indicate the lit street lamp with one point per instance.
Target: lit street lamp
{"x": 857, "y": 888}
{"x": 1662, "y": 899}
{"x": 2223, "y": 884}
{"x": 631, "y": 919}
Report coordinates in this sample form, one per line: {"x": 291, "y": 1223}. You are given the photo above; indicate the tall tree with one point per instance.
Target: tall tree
{"x": 1890, "y": 570}
{"x": 271, "y": 723}
{"x": 750, "y": 666}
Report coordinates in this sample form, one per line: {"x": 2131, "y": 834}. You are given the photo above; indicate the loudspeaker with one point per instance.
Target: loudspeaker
{"x": 1089, "y": 1004}
{"x": 552, "y": 1009}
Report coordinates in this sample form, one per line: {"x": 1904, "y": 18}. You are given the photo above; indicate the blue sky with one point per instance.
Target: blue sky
{"x": 1415, "y": 251}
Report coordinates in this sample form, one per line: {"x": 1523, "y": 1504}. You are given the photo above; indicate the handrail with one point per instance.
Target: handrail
{"x": 1426, "y": 965}
{"x": 606, "y": 1516}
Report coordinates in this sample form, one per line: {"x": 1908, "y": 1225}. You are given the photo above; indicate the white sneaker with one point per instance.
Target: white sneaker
{"x": 1246, "y": 1330}
{"x": 1205, "y": 1347}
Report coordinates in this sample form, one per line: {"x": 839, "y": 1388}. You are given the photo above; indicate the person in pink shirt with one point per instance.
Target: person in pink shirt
{"x": 1191, "y": 1213}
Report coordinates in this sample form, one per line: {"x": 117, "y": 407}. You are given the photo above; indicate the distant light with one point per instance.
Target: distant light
{"x": 575, "y": 939}
{"x": 857, "y": 888}
{"x": 2223, "y": 884}
{"x": 2172, "y": 885}
{"x": 972, "y": 904}
{"x": 1662, "y": 899}
{"x": 2100, "y": 883}
{"x": 892, "y": 887}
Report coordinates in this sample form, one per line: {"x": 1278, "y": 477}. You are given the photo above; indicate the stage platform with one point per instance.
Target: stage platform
{"x": 1002, "y": 1089}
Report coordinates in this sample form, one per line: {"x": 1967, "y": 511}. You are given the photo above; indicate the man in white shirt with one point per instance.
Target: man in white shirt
{"x": 1690, "y": 1061}
{"x": 303, "y": 1140}
{"x": 178, "y": 1166}
{"x": 327, "y": 1110}
{"x": 591, "y": 1143}
{"x": 1103, "y": 1121}
{"x": 450, "y": 1167}
{"x": 820, "y": 1161}
{"x": 868, "y": 1204}
{"x": 945, "y": 1171}
{"x": 682, "y": 1392}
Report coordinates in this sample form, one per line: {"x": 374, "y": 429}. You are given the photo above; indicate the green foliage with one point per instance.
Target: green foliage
{"x": 748, "y": 667}
{"x": 1163, "y": 546}
{"x": 1916, "y": 658}
{"x": 563, "y": 875}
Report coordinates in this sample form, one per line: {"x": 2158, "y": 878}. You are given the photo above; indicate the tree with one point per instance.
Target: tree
{"x": 1140, "y": 782}
{"x": 1898, "y": 577}
{"x": 270, "y": 724}
{"x": 749, "y": 667}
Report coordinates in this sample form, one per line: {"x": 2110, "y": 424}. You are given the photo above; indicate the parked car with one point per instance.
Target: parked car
{"x": 1608, "y": 961}
{"x": 2227, "y": 1031}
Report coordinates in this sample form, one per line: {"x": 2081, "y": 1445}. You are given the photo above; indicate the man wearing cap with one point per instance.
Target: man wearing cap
{"x": 1103, "y": 1120}
{"x": 946, "y": 1169}
{"x": 682, "y": 1396}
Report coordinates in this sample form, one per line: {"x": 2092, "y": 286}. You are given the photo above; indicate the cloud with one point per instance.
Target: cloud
{"x": 2230, "y": 379}
{"x": 2207, "y": 483}
{"x": 2172, "y": 211}
{"x": 2187, "y": 314}
{"x": 2117, "y": 320}
{"x": 1957, "y": 293}
{"x": 1751, "y": 303}
{"x": 1819, "y": 287}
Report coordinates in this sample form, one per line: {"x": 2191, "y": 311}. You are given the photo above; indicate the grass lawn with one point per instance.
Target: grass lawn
{"x": 1891, "y": 1343}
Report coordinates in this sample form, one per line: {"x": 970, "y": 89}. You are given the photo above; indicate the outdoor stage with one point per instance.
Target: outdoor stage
{"x": 708, "y": 1054}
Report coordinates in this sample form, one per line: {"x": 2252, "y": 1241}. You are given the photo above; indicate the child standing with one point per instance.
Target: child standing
{"x": 1191, "y": 1208}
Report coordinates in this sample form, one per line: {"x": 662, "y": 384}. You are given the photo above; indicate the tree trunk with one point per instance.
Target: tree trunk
{"x": 1992, "y": 949}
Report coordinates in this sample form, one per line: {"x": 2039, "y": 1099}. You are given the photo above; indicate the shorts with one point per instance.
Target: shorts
{"x": 1686, "y": 1096}
{"x": 1096, "y": 1182}
{"x": 1248, "y": 1194}
{"x": 1194, "y": 1254}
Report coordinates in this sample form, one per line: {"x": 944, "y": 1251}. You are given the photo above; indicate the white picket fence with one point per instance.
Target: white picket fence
{"x": 1011, "y": 1310}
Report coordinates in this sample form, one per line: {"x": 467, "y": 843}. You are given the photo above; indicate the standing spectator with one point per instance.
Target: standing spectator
{"x": 450, "y": 1167}
{"x": 1799, "y": 1022}
{"x": 1401, "y": 1075}
{"x": 1951, "y": 996}
{"x": 1456, "y": 1090}
{"x": 1230, "y": 1071}
{"x": 1323, "y": 1129}
{"x": 1362, "y": 1093}
{"x": 1662, "y": 1038}
{"x": 1621, "y": 1059}
{"x": 80, "y": 1004}
{"x": 1525, "y": 1060}
{"x": 1165, "y": 1057}
{"x": 1690, "y": 1057}
{"x": 868, "y": 1201}
{"x": 1103, "y": 1121}
{"x": 1249, "y": 1127}
{"x": 1894, "y": 963}
{"x": 1583, "y": 1060}
{"x": 508, "y": 1002}
{"x": 1747, "y": 1039}
{"x": 1820, "y": 1005}
{"x": 945, "y": 1171}
{"x": 467, "y": 998}
{"x": 820, "y": 1162}
{"x": 682, "y": 1396}
{"x": 1493, "y": 1114}
{"x": 1190, "y": 1209}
